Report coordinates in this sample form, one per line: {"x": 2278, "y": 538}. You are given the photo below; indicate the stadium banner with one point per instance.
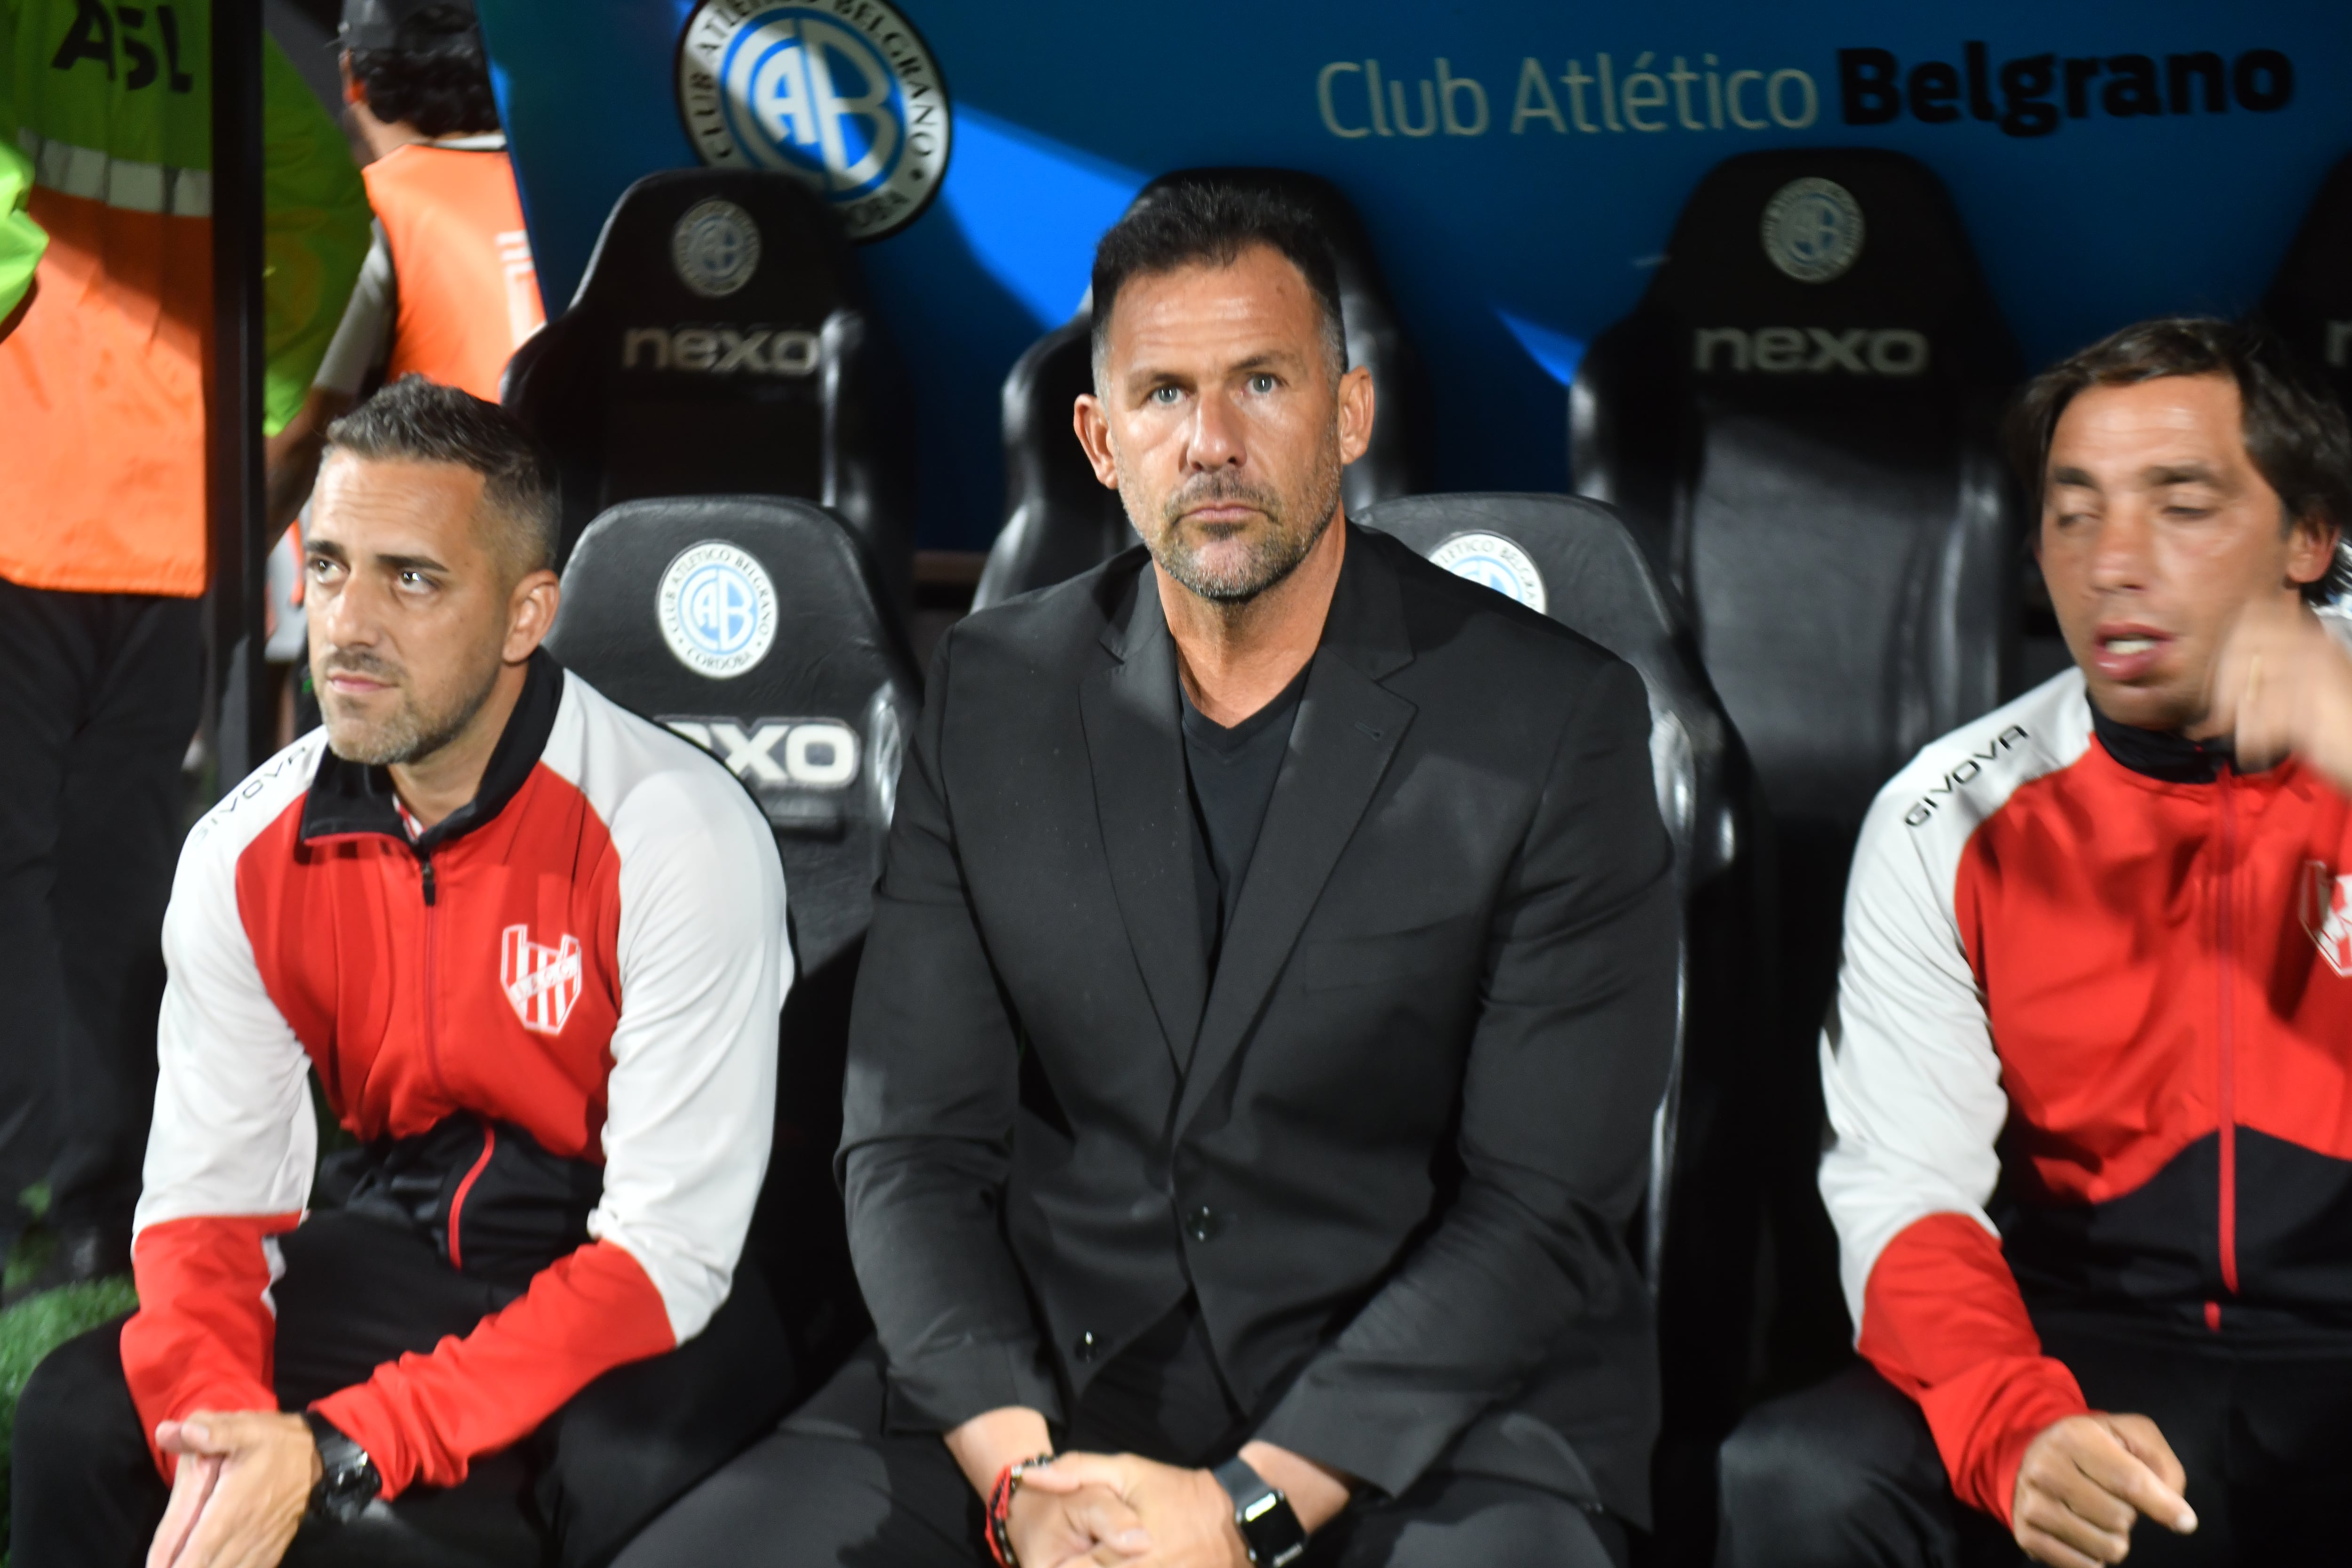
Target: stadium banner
{"x": 1519, "y": 165}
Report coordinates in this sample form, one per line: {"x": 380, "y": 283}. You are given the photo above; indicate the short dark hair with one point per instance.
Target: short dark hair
{"x": 2295, "y": 433}
{"x": 421, "y": 421}
{"x": 1210, "y": 223}
{"x": 435, "y": 77}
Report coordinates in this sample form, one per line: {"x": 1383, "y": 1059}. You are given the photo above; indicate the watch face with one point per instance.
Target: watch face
{"x": 1271, "y": 1529}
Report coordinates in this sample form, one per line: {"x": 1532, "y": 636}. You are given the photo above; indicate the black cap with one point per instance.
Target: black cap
{"x": 376, "y": 24}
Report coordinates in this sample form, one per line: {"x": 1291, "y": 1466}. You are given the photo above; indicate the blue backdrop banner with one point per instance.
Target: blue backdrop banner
{"x": 1519, "y": 165}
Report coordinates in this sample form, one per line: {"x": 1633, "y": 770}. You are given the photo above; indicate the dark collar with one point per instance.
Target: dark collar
{"x": 352, "y": 797}
{"x": 1365, "y": 625}
{"x": 2161, "y": 754}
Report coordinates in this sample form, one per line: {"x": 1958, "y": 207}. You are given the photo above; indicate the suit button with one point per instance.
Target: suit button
{"x": 1203, "y": 1223}
{"x": 1083, "y": 1350}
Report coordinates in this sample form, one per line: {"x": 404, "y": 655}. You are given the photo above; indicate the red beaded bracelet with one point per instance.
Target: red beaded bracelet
{"x": 1000, "y": 1509}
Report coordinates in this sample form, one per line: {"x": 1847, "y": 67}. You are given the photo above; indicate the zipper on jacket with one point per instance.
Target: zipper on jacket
{"x": 457, "y": 1203}
{"x": 432, "y": 983}
{"x": 2226, "y": 1098}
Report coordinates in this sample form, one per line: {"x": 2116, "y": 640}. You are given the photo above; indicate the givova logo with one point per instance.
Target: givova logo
{"x": 843, "y": 94}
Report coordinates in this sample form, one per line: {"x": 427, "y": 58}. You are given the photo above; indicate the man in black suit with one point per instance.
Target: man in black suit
{"x": 1269, "y": 994}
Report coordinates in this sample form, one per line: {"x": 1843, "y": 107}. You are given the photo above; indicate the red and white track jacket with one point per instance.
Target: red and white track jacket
{"x": 2097, "y": 967}
{"x": 594, "y": 950}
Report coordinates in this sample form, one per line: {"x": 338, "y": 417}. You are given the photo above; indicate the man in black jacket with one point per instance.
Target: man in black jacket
{"x": 1268, "y": 993}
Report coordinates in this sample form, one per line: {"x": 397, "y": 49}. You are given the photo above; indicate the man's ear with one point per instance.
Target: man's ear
{"x": 2310, "y": 546}
{"x": 1092, "y": 422}
{"x": 531, "y": 614}
{"x": 1357, "y": 407}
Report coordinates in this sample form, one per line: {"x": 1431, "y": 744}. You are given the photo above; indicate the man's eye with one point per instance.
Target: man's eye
{"x": 412, "y": 579}
{"x": 1262, "y": 382}
{"x": 1165, "y": 396}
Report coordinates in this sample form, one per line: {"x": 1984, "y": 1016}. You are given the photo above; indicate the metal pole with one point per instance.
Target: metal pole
{"x": 238, "y": 714}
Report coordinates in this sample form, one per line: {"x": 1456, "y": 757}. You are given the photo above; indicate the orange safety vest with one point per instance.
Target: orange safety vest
{"x": 107, "y": 114}
{"x": 468, "y": 292}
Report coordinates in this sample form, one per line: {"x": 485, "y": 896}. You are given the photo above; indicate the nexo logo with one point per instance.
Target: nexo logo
{"x": 813, "y": 754}
{"x": 720, "y": 350}
{"x": 1811, "y": 351}
{"x": 842, "y": 93}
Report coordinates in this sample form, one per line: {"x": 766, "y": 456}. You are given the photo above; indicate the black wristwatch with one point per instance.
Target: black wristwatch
{"x": 1269, "y": 1526}
{"x": 348, "y": 1482}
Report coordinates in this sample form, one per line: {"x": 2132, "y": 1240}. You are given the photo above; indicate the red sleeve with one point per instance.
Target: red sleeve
{"x": 424, "y": 1418}
{"x": 1943, "y": 1321}
{"x": 203, "y": 1333}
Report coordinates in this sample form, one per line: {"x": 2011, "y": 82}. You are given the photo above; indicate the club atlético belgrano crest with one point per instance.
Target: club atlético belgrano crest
{"x": 843, "y": 93}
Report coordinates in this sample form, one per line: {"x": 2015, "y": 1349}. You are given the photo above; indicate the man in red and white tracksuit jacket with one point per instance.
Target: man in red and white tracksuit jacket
{"x": 549, "y": 1019}
{"x": 2089, "y": 1073}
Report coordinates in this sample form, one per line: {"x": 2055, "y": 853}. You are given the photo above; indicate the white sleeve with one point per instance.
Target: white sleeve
{"x": 1908, "y": 1070}
{"x": 363, "y": 342}
{"x": 234, "y": 1133}
{"x": 705, "y": 964}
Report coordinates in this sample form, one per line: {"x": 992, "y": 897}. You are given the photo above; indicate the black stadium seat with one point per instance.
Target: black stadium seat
{"x": 1575, "y": 561}
{"x": 1058, "y": 521}
{"x": 2309, "y": 303}
{"x": 722, "y": 343}
{"x": 756, "y": 627}
{"x": 1800, "y": 421}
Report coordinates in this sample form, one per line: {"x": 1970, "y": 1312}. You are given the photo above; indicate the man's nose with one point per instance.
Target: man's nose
{"x": 346, "y": 617}
{"x": 2119, "y": 553}
{"x": 1217, "y": 441}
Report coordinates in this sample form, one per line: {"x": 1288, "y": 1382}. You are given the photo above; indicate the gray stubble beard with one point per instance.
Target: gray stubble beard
{"x": 1272, "y": 558}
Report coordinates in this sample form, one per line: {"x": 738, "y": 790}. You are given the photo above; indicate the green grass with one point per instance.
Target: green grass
{"x": 31, "y": 1329}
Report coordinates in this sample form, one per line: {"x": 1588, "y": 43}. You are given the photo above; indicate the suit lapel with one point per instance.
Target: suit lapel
{"x": 1347, "y": 733}
{"x": 1136, "y": 751}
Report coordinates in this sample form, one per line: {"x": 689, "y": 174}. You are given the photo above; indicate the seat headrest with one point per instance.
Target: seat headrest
{"x": 1829, "y": 268}
{"x": 1570, "y": 558}
{"x": 2309, "y": 302}
{"x": 750, "y": 246}
{"x": 754, "y": 625}
{"x": 1577, "y": 562}
{"x": 705, "y": 351}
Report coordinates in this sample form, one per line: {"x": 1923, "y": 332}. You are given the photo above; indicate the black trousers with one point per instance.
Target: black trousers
{"x": 98, "y": 699}
{"x": 829, "y": 1488}
{"x": 359, "y": 1291}
{"x": 1846, "y": 1473}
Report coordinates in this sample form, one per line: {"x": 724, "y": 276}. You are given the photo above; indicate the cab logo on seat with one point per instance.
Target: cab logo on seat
{"x": 1811, "y": 351}
{"x": 842, "y": 93}
{"x": 542, "y": 982}
{"x": 717, "y": 609}
{"x": 1812, "y": 230}
{"x": 2328, "y": 915}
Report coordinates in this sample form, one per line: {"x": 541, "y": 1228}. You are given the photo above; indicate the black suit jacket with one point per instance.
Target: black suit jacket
{"x": 1394, "y": 1148}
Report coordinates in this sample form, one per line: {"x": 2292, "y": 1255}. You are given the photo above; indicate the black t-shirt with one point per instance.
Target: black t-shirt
{"x": 1233, "y": 772}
